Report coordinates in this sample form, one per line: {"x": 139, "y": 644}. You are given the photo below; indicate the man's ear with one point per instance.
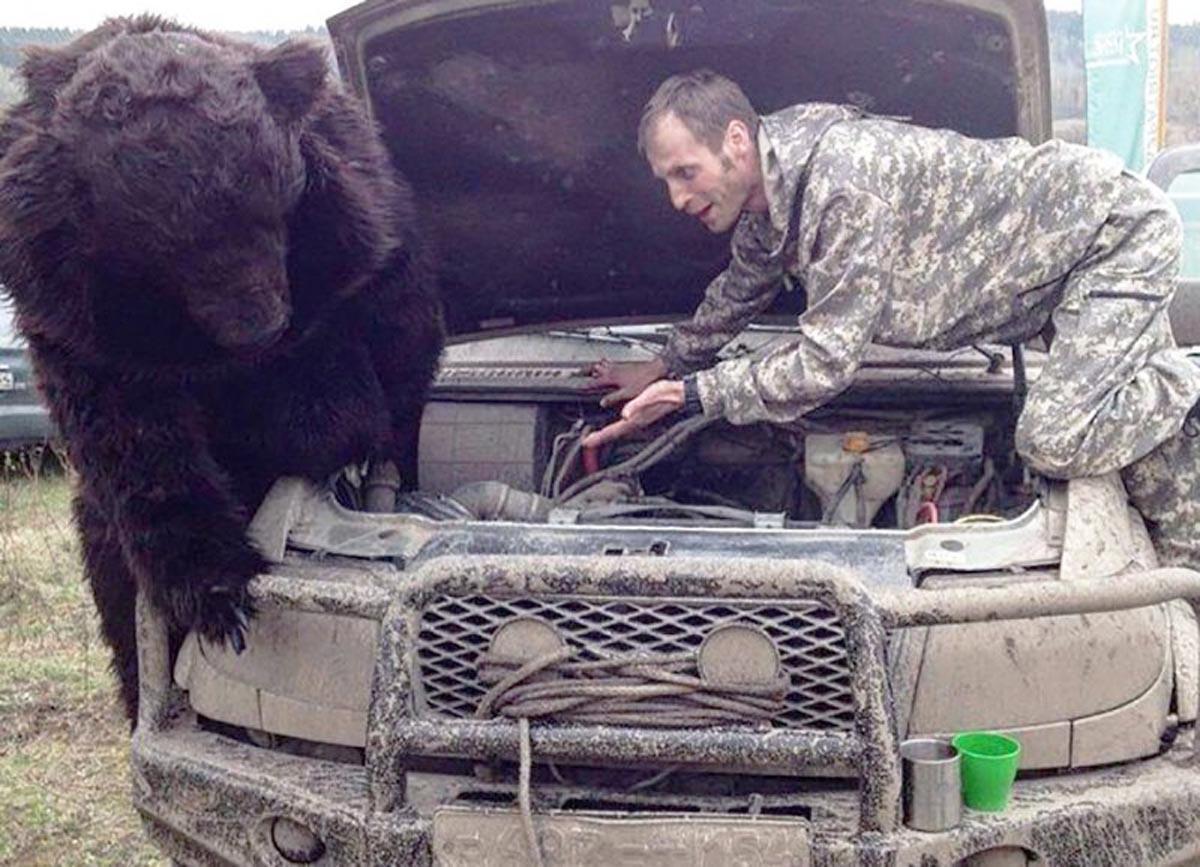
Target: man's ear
{"x": 291, "y": 76}
{"x": 737, "y": 137}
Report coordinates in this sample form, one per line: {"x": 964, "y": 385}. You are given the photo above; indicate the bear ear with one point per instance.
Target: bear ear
{"x": 46, "y": 71}
{"x": 290, "y": 76}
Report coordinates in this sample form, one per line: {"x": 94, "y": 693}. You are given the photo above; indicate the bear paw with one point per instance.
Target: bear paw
{"x": 222, "y": 614}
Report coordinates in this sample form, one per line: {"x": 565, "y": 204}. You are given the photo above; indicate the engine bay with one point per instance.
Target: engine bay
{"x": 844, "y": 466}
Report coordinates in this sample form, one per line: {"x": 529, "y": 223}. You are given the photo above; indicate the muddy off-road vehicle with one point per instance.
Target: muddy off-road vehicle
{"x": 703, "y": 646}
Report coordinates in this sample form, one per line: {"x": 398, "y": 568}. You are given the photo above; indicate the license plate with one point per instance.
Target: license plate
{"x": 6, "y": 380}
{"x": 468, "y": 837}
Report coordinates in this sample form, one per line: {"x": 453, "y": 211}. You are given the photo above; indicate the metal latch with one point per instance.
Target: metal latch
{"x": 768, "y": 520}
{"x": 628, "y": 18}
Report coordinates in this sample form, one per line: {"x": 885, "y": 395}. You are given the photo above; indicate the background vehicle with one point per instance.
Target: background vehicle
{"x": 1177, "y": 170}
{"x": 24, "y": 420}
{"x": 360, "y": 726}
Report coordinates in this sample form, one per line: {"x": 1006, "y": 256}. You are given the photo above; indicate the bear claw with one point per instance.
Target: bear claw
{"x": 224, "y": 617}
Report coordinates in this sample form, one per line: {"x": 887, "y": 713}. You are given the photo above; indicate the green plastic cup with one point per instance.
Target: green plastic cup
{"x": 989, "y": 766}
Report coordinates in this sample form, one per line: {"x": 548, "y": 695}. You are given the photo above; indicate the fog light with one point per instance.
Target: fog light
{"x": 738, "y": 654}
{"x": 295, "y": 842}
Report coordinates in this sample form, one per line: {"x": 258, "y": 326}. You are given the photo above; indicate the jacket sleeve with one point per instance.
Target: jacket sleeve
{"x": 849, "y": 281}
{"x": 744, "y": 289}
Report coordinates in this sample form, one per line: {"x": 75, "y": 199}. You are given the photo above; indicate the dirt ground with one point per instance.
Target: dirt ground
{"x": 63, "y": 740}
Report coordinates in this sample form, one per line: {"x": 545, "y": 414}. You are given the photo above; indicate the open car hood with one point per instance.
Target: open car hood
{"x": 515, "y": 123}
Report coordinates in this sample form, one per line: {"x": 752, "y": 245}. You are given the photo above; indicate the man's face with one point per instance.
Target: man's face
{"x": 713, "y": 187}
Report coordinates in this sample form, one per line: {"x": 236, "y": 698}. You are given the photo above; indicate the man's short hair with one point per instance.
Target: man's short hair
{"x": 704, "y": 102}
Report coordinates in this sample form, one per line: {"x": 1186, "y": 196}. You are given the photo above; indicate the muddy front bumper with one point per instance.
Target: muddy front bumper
{"x": 208, "y": 799}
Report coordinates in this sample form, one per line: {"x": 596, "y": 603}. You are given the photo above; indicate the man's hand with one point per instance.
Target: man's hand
{"x": 628, "y": 378}
{"x": 656, "y": 400}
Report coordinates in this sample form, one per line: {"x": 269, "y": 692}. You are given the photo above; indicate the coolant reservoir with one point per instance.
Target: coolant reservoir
{"x": 851, "y": 497}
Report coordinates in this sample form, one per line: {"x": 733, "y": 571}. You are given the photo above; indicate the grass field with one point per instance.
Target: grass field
{"x": 63, "y": 739}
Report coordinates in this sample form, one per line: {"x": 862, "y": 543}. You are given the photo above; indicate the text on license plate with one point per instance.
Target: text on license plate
{"x": 467, "y": 837}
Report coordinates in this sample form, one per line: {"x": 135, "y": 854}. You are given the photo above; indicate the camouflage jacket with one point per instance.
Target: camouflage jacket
{"x": 900, "y": 235}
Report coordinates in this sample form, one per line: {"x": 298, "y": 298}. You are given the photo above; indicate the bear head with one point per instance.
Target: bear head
{"x": 172, "y": 197}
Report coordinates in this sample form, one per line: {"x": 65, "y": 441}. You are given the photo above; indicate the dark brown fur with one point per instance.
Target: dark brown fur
{"x": 221, "y": 281}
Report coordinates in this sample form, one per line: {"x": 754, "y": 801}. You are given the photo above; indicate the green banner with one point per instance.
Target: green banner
{"x": 1123, "y": 57}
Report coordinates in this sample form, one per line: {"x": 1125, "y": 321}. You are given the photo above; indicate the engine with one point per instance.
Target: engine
{"x": 850, "y": 467}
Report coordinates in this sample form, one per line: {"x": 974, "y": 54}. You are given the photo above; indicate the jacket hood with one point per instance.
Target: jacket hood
{"x": 516, "y": 122}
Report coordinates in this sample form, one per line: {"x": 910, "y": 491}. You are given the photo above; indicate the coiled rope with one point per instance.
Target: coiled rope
{"x": 646, "y": 689}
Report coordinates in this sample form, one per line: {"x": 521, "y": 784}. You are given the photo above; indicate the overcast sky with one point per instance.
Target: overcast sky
{"x": 214, "y": 14}
{"x": 279, "y": 15}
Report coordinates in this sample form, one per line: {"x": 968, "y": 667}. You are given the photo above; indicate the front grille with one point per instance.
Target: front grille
{"x": 810, "y": 639}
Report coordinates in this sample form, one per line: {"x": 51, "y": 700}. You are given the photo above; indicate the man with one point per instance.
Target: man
{"x": 913, "y": 237}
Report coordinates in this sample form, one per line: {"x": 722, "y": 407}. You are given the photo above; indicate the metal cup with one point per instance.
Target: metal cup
{"x": 932, "y": 789}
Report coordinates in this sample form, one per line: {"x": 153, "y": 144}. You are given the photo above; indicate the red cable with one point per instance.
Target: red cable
{"x": 930, "y": 509}
{"x": 591, "y": 460}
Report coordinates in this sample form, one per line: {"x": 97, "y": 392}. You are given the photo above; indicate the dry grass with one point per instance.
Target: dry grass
{"x": 64, "y": 744}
